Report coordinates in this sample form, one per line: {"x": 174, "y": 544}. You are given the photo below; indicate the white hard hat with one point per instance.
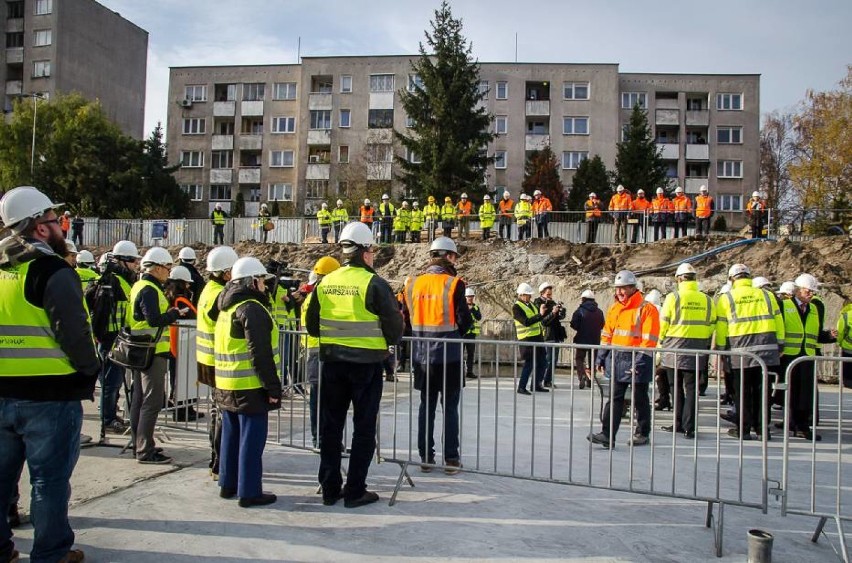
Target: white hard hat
{"x": 640, "y": 192}
{"x": 405, "y": 204}
{"x": 221, "y": 259}
{"x": 593, "y": 194}
{"x": 625, "y": 278}
{"x": 187, "y": 253}
{"x": 24, "y": 202}
{"x": 703, "y": 188}
{"x": 738, "y": 269}
{"x": 661, "y": 191}
{"x": 654, "y": 297}
{"x": 620, "y": 188}
{"x": 507, "y": 194}
{"x": 807, "y": 281}
{"x": 759, "y": 282}
{"x": 685, "y": 269}
{"x": 157, "y": 255}
{"x": 469, "y": 292}
{"x": 324, "y": 205}
{"x": 85, "y": 257}
{"x": 385, "y": 196}
{"x": 726, "y": 287}
{"x": 125, "y": 248}
{"x": 72, "y": 248}
{"x": 103, "y": 259}
{"x": 249, "y": 267}
{"x": 339, "y": 202}
{"x": 537, "y": 192}
{"x": 354, "y": 236}
{"x": 219, "y": 206}
{"x": 486, "y": 198}
{"x": 755, "y": 194}
{"x": 525, "y": 289}
{"x": 263, "y": 206}
{"x": 443, "y": 244}
{"x": 678, "y": 190}
{"x": 788, "y": 288}
{"x": 544, "y": 286}
{"x": 464, "y": 195}
{"x": 367, "y": 201}
{"x": 587, "y": 294}
{"x": 415, "y": 204}
{"x": 180, "y": 273}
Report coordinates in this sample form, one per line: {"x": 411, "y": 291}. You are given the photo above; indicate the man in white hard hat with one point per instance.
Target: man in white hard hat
{"x": 218, "y": 217}
{"x": 681, "y": 212}
{"x": 756, "y": 214}
{"x": 187, "y": 259}
{"x": 344, "y": 302}
{"x": 472, "y": 332}
{"x": 705, "y": 207}
{"x": 418, "y": 218}
{"x": 687, "y": 321}
{"x": 529, "y": 329}
{"x": 661, "y": 211}
{"x": 554, "y": 332}
{"x": 541, "y": 208}
{"x": 587, "y": 322}
{"x": 264, "y": 222}
{"x": 386, "y": 212}
{"x": 640, "y": 207}
{"x": 438, "y": 365}
{"x": 594, "y": 214}
{"x": 619, "y": 206}
{"x": 487, "y": 215}
{"x": 42, "y": 318}
{"x": 324, "y": 220}
{"x": 465, "y": 211}
{"x": 506, "y": 216}
{"x": 339, "y": 218}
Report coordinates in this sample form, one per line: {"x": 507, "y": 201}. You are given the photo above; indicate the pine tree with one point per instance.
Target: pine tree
{"x": 541, "y": 172}
{"x": 591, "y": 176}
{"x": 638, "y": 162}
{"x": 450, "y": 126}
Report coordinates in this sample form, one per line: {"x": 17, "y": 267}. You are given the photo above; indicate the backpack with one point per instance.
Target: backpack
{"x": 102, "y": 297}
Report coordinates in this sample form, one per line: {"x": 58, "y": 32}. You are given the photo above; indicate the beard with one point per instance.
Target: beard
{"x": 56, "y": 242}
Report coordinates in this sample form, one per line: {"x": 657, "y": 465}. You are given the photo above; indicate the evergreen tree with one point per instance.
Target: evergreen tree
{"x": 450, "y": 126}
{"x": 239, "y": 209}
{"x": 638, "y": 163}
{"x": 541, "y": 172}
{"x": 591, "y": 176}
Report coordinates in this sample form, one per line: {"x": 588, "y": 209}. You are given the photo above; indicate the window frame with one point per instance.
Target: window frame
{"x": 735, "y": 172}
{"x": 289, "y": 120}
{"x": 194, "y": 191}
{"x": 373, "y": 122}
{"x": 321, "y": 189}
{"x": 498, "y": 159}
{"x": 504, "y": 84}
{"x": 47, "y": 3}
{"x": 574, "y": 119}
{"x": 497, "y": 120}
{"x": 282, "y": 162}
{"x": 190, "y": 92}
{"x": 194, "y": 126}
{"x": 314, "y": 123}
{"x": 379, "y": 88}
{"x": 254, "y": 91}
{"x": 46, "y": 69}
{"x": 227, "y": 187}
{"x": 573, "y": 158}
{"x": 643, "y": 96}
{"x": 278, "y": 86}
{"x": 348, "y": 123}
{"x": 185, "y": 154}
{"x": 573, "y": 85}
{"x": 726, "y": 202}
{"x": 730, "y": 97}
{"x": 286, "y": 191}
{"x": 340, "y": 152}
{"x": 218, "y": 155}
{"x": 47, "y": 31}
{"x": 730, "y": 130}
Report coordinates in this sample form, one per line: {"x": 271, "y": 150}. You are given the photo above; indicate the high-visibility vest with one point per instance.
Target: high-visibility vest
{"x": 339, "y": 215}
{"x": 474, "y": 328}
{"x": 523, "y": 212}
{"x": 310, "y": 342}
{"x": 593, "y": 209}
{"x": 64, "y": 223}
{"x": 218, "y": 217}
{"x": 87, "y": 276}
{"x": 844, "y": 329}
{"x": 401, "y": 220}
{"x": 661, "y": 207}
{"x": 755, "y": 205}
{"x": 682, "y": 207}
{"x": 535, "y": 329}
{"x": 541, "y": 205}
{"x": 465, "y": 208}
{"x": 448, "y": 212}
{"x": 141, "y": 327}
{"x": 640, "y": 205}
{"x": 367, "y": 214}
{"x": 430, "y": 304}
{"x": 486, "y": 215}
{"x": 206, "y": 327}
{"x": 344, "y": 318}
{"x": 506, "y": 206}
{"x": 285, "y": 318}
{"x": 233, "y": 364}
{"x": 634, "y": 323}
{"x": 703, "y": 206}
{"x": 620, "y": 202}
{"x": 119, "y": 321}
{"x": 432, "y": 211}
{"x": 748, "y": 319}
{"x": 386, "y": 210}
{"x": 324, "y": 217}
{"x": 28, "y": 346}
{"x": 416, "y": 220}
{"x": 799, "y": 337}
{"x": 687, "y": 320}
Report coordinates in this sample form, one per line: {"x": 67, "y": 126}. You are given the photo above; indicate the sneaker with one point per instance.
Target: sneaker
{"x": 262, "y": 500}
{"x": 600, "y": 438}
{"x": 227, "y": 492}
{"x": 639, "y": 440}
{"x": 85, "y": 439}
{"x": 453, "y": 466}
{"x": 74, "y": 556}
{"x": 368, "y": 497}
{"x": 156, "y": 459}
{"x": 115, "y": 427}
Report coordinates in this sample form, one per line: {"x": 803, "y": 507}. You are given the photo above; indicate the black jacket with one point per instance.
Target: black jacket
{"x": 198, "y": 282}
{"x": 588, "y": 320}
{"x": 552, "y": 323}
{"x": 254, "y": 323}
{"x": 147, "y": 308}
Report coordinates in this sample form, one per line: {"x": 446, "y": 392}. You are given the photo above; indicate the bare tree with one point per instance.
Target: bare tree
{"x": 779, "y": 148}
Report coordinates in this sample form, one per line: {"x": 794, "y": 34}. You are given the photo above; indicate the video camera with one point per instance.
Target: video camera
{"x": 284, "y": 277}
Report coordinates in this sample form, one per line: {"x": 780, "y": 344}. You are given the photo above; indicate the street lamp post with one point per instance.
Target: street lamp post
{"x": 35, "y": 97}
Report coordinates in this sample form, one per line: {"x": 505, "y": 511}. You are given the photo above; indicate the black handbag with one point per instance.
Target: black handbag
{"x": 134, "y": 351}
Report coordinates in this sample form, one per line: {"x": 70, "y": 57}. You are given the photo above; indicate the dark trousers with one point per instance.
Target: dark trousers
{"x": 415, "y": 235}
{"x": 757, "y": 230}
{"x": 541, "y": 227}
{"x": 702, "y": 226}
{"x": 592, "y": 234}
{"x": 846, "y": 368}
{"x": 243, "y": 440}
{"x": 323, "y": 234}
{"x": 337, "y": 228}
{"x": 111, "y": 378}
{"x": 77, "y": 237}
{"x": 218, "y": 234}
{"x": 639, "y": 228}
{"x": 534, "y": 358}
{"x": 486, "y": 232}
{"x": 215, "y": 436}
{"x": 505, "y": 227}
{"x": 664, "y": 389}
{"x": 386, "y": 230}
{"x": 360, "y": 385}
{"x": 470, "y": 353}
{"x": 643, "y": 408}
{"x": 801, "y": 389}
{"x": 683, "y": 385}
{"x": 659, "y": 230}
{"x": 551, "y": 358}
{"x": 450, "y": 392}
{"x": 748, "y": 388}
{"x": 620, "y": 229}
{"x": 582, "y": 361}
{"x": 679, "y": 226}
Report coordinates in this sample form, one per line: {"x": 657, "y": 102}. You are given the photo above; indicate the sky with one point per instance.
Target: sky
{"x": 794, "y": 45}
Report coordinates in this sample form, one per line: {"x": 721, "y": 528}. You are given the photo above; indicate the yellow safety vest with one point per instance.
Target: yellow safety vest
{"x": 525, "y": 332}
{"x": 344, "y": 318}
{"x": 474, "y": 328}
{"x": 87, "y": 276}
{"x": 218, "y": 217}
{"x": 120, "y": 320}
{"x": 748, "y": 320}
{"x": 401, "y": 220}
{"x": 796, "y": 335}
{"x": 234, "y": 368}
{"x": 284, "y": 318}
{"x": 416, "y": 220}
{"x": 310, "y": 342}
{"x": 432, "y": 211}
{"x": 339, "y": 215}
{"x": 142, "y": 327}
{"x": 324, "y": 217}
{"x": 206, "y": 328}
{"x": 523, "y": 212}
{"x": 687, "y": 320}
{"x": 487, "y": 215}
{"x": 844, "y": 329}
{"x": 448, "y": 212}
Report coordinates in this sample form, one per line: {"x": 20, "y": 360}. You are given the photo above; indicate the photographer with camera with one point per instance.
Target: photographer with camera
{"x": 286, "y": 301}
{"x": 554, "y": 313}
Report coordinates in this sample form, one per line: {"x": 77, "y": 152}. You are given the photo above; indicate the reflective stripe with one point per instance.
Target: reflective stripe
{"x": 235, "y": 374}
{"x": 348, "y": 332}
{"x": 738, "y": 319}
{"x": 30, "y": 353}
{"x": 357, "y": 325}
{"x": 204, "y": 349}
{"x": 21, "y": 330}
{"x": 239, "y": 357}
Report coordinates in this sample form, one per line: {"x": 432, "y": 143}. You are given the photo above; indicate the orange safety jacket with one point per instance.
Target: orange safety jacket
{"x": 704, "y": 206}
{"x": 661, "y": 207}
{"x": 593, "y": 209}
{"x": 542, "y": 205}
{"x": 506, "y": 206}
{"x": 64, "y": 223}
{"x": 620, "y": 202}
{"x": 429, "y": 300}
{"x": 367, "y": 214}
{"x": 634, "y": 323}
{"x": 180, "y": 302}
{"x": 682, "y": 207}
{"x": 641, "y": 205}
{"x": 464, "y": 208}
{"x": 758, "y": 205}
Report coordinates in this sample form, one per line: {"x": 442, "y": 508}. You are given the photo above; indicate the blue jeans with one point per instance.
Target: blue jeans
{"x": 45, "y": 434}
{"x": 450, "y": 406}
{"x": 111, "y": 378}
{"x": 551, "y": 357}
{"x": 535, "y": 355}
{"x": 241, "y": 461}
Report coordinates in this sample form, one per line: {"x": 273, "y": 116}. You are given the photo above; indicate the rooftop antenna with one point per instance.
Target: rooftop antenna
{"x": 299, "y": 50}
{"x": 516, "y": 46}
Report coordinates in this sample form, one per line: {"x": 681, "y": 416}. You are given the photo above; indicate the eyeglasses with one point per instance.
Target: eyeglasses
{"x": 48, "y": 222}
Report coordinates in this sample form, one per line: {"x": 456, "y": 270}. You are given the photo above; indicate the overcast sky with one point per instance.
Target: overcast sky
{"x": 794, "y": 45}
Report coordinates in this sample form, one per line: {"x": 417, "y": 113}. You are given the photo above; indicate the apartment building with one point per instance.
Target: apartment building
{"x": 301, "y": 134}
{"x": 75, "y": 46}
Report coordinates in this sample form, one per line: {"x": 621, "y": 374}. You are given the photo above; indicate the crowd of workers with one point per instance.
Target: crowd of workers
{"x": 58, "y": 338}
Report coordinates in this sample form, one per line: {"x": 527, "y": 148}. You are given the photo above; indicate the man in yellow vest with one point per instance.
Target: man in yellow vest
{"x": 356, "y": 317}
{"x": 416, "y": 225}
{"x": 247, "y": 384}
{"x": 448, "y": 217}
{"x": 217, "y": 217}
{"x": 339, "y": 218}
{"x": 523, "y": 216}
{"x": 687, "y": 321}
{"x": 150, "y": 315}
{"x": 86, "y": 268}
{"x": 844, "y": 341}
{"x": 528, "y": 326}
{"x": 48, "y": 364}
{"x": 324, "y": 219}
{"x": 220, "y": 260}
{"x": 748, "y": 320}
{"x": 401, "y": 222}
{"x": 472, "y": 333}
{"x": 386, "y": 214}
{"x": 431, "y": 215}
{"x": 487, "y": 214}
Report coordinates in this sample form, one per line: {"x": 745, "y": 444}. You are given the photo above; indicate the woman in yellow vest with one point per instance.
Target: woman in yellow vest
{"x": 529, "y": 329}
{"x": 487, "y": 214}
{"x": 247, "y": 384}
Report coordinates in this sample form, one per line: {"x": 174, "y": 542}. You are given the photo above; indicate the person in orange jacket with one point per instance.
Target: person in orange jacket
{"x": 465, "y": 210}
{"x": 541, "y": 213}
{"x": 593, "y": 217}
{"x": 620, "y": 204}
{"x": 704, "y": 210}
{"x": 661, "y": 210}
{"x": 756, "y": 212}
{"x": 65, "y": 223}
{"x": 641, "y": 207}
{"x": 682, "y": 211}
{"x": 505, "y": 216}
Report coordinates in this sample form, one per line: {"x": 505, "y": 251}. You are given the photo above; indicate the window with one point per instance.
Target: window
{"x": 414, "y": 82}
{"x": 221, "y": 192}
{"x": 729, "y": 135}
{"x": 224, "y": 128}
{"x": 575, "y": 125}
{"x": 280, "y": 192}
{"x": 194, "y": 126}
{"x": 191, "y": 159}
{"x": 536, "y": 128}
{"x": 729, "y": 169}
{"x": 225, "y": 92}
{"x": 380, "y": 119}
{"x": 345, "y": 118}
{"x": 14, "y": 39}
{"x": 696, "y": 104}
{"x": 284, "y": 124}
{"x": 252, "y": 126}
{"x": 195, "y": 93}
{"x": 343, "y": 154}
{"x": 379, "y": 153}
{"x": 194, "y": 191}
{"x": 316, "y": 189}
{"x": 483, "y": 89}
{"x": 222, "y": 159}
{"x": 630, "y": 99}
{"x": 42, "y": 37}
{"x": 730, "y": 203}
{"x": 729, "y": 101}
{"x": 321, "y": 119}
{"x": 575, "y": 90}
{"x": 413, "y": 157}
{"x": 15, "y": 10}
{"x": 253, "y": 92}
{"x": 502, "y": 90}
{"x": 501, "y": 124}
{"x": 500, "y": 160}
{"x": 43, "y": 7}
{"x": 41, "y": 69}
{"x": 571, "y": 160}
{"x": 381, "y": 83}
{"x": 409, "y": 121}
{"x": 281, "y": 159}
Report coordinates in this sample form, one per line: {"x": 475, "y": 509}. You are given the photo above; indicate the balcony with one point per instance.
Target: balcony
{"x": 223, "y": 143}
{"x": 538, "y": 108}
{"x": 698, "y": 152}
{"x": 692, "y": 185}
{"x": 224, "y": 109}
{"x": 666, "y": 103}
{"x": 318, "y": 172}
{"x": 379, "y": 136}
{"x": 15, "y": 55}
{"x": 14, "y": 87}
{"x": 379, "y": 171}
{"x": 669, "y": 151}
{"x": 249, "y": 175}
{"x": 667, "y": 117}
{"x": 251, "y": 108}
{"x": 250, "y": 142}
{"x": 221, "y": 176}
{"x": 14, "y": 25}
{"x": 536, "y": 142}
{"x": 699, "y": 117}
{"x": 319, "y": 137}
{"x": 317, "y": 101}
